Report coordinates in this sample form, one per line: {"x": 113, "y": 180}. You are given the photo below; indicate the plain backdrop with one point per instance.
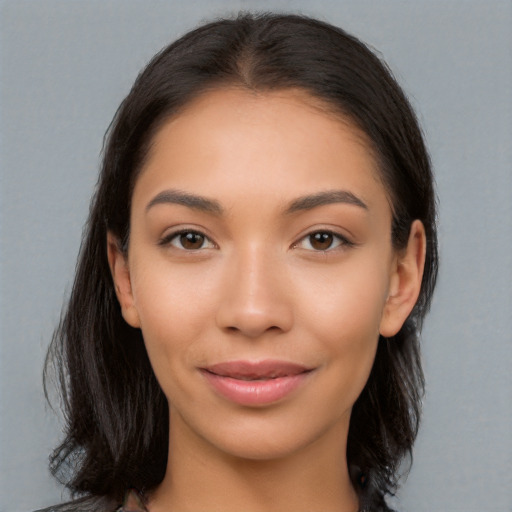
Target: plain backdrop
{"x": 66, "y": 65}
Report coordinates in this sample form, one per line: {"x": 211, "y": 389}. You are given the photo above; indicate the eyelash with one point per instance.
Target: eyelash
{"x": 335, "y": 238}
{"x": 176, "y": 235}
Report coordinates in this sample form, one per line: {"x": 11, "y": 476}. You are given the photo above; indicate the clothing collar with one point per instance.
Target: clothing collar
{"x": 133, "y": 502}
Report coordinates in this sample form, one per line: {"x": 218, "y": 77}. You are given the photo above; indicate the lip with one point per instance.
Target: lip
{"x": 254, "y": 383}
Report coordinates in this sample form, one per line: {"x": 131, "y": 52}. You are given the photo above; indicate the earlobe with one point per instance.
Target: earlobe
{"x": 122, "y": 282}
{"x": 405, "y": 282}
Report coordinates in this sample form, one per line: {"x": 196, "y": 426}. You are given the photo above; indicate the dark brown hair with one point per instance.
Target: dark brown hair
{"x": 117, "y": 416}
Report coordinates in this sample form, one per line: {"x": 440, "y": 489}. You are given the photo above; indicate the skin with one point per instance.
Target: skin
{"x": 256, "y": 285}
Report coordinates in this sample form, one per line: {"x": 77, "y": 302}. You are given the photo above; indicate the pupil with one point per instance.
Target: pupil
{"x": 192, "y": 240}
{"x": 321, "y": 241}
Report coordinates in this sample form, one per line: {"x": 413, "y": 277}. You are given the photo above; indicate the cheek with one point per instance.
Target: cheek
{"x": 343, "y": 313}
{"x": 171, "y": 298}
{"x": 173, "y": 307}
{"x": 345, "y": 299}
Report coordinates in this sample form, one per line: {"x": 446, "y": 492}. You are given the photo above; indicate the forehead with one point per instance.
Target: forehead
{"x": 246, "y": 107}
{"x": 242, "y": 142}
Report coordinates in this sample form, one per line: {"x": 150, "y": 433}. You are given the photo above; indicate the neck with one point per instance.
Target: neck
{"x": 200, "y": 477}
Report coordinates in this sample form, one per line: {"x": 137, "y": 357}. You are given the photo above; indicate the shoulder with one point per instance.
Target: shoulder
{"x": 87, "y": 504}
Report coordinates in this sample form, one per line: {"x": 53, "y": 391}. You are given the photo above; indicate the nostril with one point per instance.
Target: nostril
{"x": 252, "y": 310}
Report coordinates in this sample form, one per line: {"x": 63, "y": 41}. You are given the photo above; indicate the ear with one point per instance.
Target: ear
{"x": 120, "y": 271}
{"x": 405, "y": 282}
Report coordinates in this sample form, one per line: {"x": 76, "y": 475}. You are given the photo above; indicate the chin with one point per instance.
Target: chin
{"x": 266, "y": 438}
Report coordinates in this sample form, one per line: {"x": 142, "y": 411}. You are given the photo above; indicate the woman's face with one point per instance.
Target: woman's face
{"x": 260, "y": 270}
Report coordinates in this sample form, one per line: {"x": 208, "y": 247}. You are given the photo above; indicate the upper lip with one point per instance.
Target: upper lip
{"x": 249, "y": 370}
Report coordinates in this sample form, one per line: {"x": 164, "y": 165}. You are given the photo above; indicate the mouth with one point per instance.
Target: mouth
{"x": 255, "y": 383}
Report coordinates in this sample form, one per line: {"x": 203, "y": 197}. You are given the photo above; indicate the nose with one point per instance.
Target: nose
{"x": 255, "y": 298}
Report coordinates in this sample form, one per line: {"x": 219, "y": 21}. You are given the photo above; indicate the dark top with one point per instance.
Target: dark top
{"x": 133, "y": 502}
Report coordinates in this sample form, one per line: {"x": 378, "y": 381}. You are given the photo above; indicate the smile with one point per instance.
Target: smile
{"x": 255, "y": 383}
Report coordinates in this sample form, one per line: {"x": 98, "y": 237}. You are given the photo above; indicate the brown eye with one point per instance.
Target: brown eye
{"x": 191, "y": 240}
{"x": 321, "y": 241}
{"x": 188, "y": 241}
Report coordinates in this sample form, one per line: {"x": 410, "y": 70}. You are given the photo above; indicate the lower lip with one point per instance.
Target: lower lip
{"x": 255, "y": 392}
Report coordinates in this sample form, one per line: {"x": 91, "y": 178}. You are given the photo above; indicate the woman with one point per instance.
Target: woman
{"x": 243, "y": 330}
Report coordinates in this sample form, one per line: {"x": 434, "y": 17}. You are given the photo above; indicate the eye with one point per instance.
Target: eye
{"x": 322, "y": 241}
{"x": 188, "y": 240}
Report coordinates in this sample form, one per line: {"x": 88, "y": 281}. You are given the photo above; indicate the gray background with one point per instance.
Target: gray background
{"x": 66, "y": 65}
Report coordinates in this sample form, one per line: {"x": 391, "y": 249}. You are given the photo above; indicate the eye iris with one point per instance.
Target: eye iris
{"x": 191, "y": 240}
{"x": 321, "y": 241}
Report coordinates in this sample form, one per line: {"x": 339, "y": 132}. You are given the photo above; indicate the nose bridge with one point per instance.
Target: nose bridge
{"x": 255, "y": 298}
{"x": 254, "y": 269}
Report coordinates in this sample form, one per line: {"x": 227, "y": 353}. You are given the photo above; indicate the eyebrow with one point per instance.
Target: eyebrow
{"x": 303, "y": 203}
{"x": 324, "y": 198}
{"x": 193, "y": 201}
